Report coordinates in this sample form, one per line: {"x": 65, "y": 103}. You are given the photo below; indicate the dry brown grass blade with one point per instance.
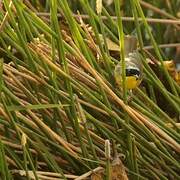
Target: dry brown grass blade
{"x": 3, "y": 113}
{"x": 11, "y": 162}
{"x": 172, "y": 21}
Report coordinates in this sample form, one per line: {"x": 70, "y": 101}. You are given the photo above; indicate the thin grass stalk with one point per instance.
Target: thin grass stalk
{"x": 152, "y": 93}
{"x": 1, "y": 74}
{"x": 105, "y": 42}
{"x": 134, "y": 150}
{"x": 3, "y": 164}
{"x": 171, "y": 171}
{"x": 78, "y": 132}
{"x": 159, "y": 145}
{"x": 61, "y": 54}
{"x": 108, "y": 63}
{"x": 34, "y": 107}
{"x": 160, "y": 132}
{"x": 84, "y": 121}
{"x": 48, "y": 159}
{"x": 157, "y": 10}
{"x": 177, "y": 87}
{"x": 108, "y": 163}
{"x": 107, "y": 103}
{"x": 141, "y": 177}
{"x": 123, "y": 65}
{"x": 122, "y": 50}
{"x": 25, "y": 163}
{"x": 4, "y": 19}
{"x": 9, "y": 31}
{"x": 175, "y": 98}
{"x": 13, "y": 156}
{"x": 53, "y": 41}
{"x": 10, "y": 116}
{"x": 8, "y": 92}
{"x": 27, "y": 156}
{"x": 157, "y": 174}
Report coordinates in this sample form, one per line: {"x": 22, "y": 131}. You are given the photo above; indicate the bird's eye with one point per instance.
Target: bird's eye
{"x": 132, "y": 72}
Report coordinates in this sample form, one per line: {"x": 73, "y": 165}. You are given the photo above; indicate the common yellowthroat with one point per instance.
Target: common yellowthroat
{"x": 133, "y": 71}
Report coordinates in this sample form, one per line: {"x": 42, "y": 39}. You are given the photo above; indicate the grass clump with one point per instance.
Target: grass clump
{"x": 61, "y": 113}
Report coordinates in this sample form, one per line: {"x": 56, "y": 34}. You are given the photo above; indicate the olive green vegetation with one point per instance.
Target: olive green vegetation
{"x": 61, "y": 113}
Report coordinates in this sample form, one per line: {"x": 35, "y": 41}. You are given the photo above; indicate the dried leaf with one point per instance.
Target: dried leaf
{"x": 170, "y": 66}
{"x": 118, "y": 171}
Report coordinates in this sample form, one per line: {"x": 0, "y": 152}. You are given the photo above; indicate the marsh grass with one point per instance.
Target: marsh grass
{"x": 61, "y": 114}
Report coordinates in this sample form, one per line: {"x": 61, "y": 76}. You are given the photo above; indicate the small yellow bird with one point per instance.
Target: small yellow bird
{"x": 133, "y": 71}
